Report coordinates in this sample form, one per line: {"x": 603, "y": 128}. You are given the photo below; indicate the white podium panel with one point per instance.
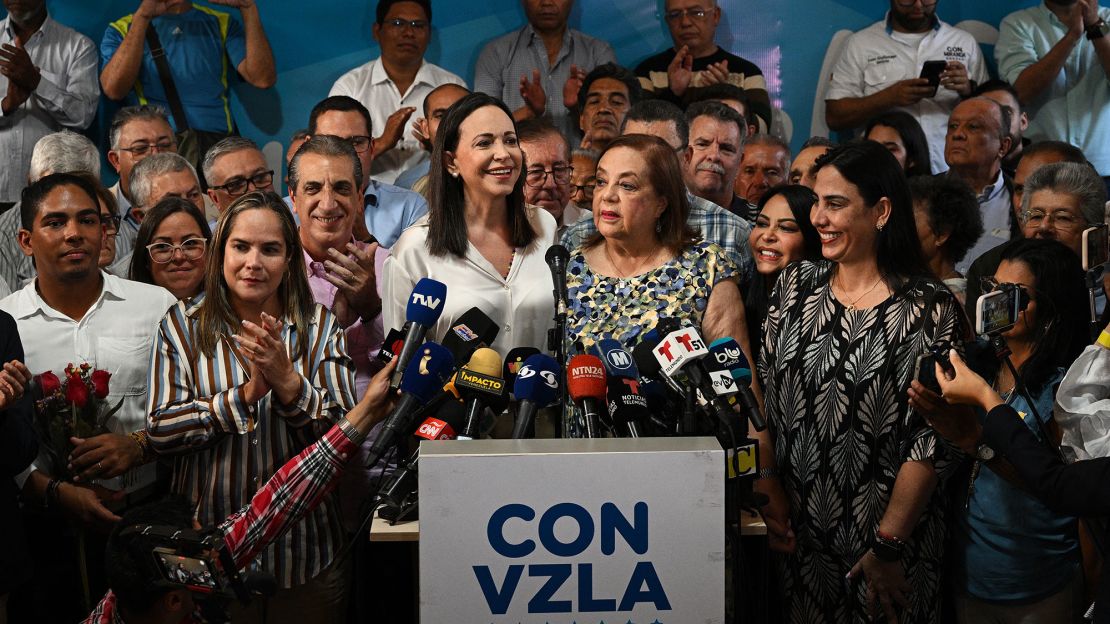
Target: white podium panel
{"x": 572, "y": 531}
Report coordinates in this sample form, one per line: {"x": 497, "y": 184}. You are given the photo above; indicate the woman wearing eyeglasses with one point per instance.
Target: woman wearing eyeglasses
{"x": 170, "y": 246}
{"x": 1014, "y": 559}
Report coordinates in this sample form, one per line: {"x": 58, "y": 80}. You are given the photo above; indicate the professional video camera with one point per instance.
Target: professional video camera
{"x": 200, "y": 562}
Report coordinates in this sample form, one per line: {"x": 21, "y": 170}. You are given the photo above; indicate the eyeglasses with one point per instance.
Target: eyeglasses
{"x": 191, "y": 249}
{"x": 361, "y": 143}
{"x": 536, "y": 178}
{"x": 111, "y": 223}
{"x": 1059, "y": 220}
{"x": 678, "y": 14}
{"x": 400, "y": 24}
{"x": 925, "y": 3}
{"x": 139, "y": 149}
{"x": 586, "y": 189}
{"x": 238, "y": 186}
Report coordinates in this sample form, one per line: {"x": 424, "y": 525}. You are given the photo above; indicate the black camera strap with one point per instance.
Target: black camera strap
{"x": 166, "y": 78}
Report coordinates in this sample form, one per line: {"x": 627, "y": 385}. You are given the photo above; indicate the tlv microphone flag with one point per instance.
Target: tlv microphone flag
{"x": 423, "y": 310}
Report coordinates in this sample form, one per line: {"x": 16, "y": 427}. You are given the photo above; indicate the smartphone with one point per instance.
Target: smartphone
{"x": 931, "y": 71}
{"x": 195, "y": 574}
{"x": 925, "y": 371}
{"x": 940, "y": 354}
{"x": 997, "y": 311}
{"x": 1096, "y": 246}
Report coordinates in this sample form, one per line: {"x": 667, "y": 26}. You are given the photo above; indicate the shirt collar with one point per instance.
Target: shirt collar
{"x": 370, "y": 198}
{"x": 378, "y": 75}
{"x": 30, "y": 302}
{"x": 6, "y": 28}
{"x": 991, "y": 192}
{"x": 890, "y": 24}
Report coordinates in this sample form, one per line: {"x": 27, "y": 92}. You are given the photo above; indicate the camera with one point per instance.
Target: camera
{"x": 997, "y": 311}
{"x": 1096, "y": 247}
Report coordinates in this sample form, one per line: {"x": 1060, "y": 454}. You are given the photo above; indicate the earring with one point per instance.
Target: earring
{"x": 658, "y": 226}
{"x": 879, "y": 226}
{"x": 454, "y": 174}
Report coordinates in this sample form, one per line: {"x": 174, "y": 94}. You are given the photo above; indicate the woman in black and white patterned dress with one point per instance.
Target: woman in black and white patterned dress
{"x": 861, "y": 471}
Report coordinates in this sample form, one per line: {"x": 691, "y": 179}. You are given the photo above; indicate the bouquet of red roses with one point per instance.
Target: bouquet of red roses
{"x": 76, "y": 406}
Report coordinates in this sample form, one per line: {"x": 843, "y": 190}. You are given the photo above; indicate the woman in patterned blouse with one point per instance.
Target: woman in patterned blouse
{"x": 860, "y": 468}
{"x": 645, "y": 263}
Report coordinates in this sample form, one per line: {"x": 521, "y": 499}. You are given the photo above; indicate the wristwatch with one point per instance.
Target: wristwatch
{"x": 1097, "y": 30}
{"x": 984, "y": 453}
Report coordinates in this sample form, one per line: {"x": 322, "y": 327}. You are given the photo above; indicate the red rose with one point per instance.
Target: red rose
{"x": 100, "y": 383}
{"x": 76, "y": 391}
{"x": 49, "y": 383}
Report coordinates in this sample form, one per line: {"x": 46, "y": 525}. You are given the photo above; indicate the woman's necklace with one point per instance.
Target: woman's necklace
{"x": 851, "y": 306}
{"x": 621, "y": 275}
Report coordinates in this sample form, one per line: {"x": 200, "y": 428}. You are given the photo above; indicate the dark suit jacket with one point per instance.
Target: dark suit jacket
{"x": 18, "y": 447}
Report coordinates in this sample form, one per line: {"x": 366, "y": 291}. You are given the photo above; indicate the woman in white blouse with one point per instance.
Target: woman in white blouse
{"x": 479, "y": 238}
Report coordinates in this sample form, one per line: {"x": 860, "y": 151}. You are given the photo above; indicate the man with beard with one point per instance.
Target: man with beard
{"x": 1057, "y": 56}
{"x": 48, "y": 82}
{"x": 880, "y": 67}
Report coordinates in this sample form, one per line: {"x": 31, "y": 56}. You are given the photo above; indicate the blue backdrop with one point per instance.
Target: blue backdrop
{"x": 315, "y": 42}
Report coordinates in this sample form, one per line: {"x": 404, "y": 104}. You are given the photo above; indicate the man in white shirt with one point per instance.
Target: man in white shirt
{"x": 880, "y": 66}
{"x": 74, "y": 313}
{"x": 48, "y": 80}
{"x": 393, "y": 85}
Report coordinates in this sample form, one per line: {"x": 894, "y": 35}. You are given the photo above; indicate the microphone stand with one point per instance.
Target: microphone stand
{"x": 557, "y": 345}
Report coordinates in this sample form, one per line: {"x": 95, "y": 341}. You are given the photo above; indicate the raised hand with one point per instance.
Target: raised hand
{"x": 263, "y": 346}
{"x": 680, "y": 71}
{"x": 17, "y": 66}
{"x": 238, "y": 4}
{"x": 715, "y": 73}
{"x": 532, "y": 91}
{"x": 394, "y": 129}
{"x": 151, "y": 9}
{"x": 573, "y": 85}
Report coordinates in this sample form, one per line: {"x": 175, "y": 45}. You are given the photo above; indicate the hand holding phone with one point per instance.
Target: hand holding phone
{"x": 931, "y": 71}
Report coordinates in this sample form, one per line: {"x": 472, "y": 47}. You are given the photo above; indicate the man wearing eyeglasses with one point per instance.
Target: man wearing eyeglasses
{"x": 386, "y": 210}
{"x": 547, "y": 177}
{"x": 880, "y": 66}
{"x": 233, "y": 167}
{"x": 583, "y": 179}
{"x": 696, "y": 61}
{"x": 392, "y": 86}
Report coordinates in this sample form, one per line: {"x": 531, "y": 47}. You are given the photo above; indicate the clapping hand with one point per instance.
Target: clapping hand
{"x": 394, "y": 129}
{"x": 532, "y": 92}
{"x": 356, "y": 280}
{"x": 270, "y": 366}
{"x": 715, "y": 73}
{"x": 572, "y": 86}
{"x": 680, "y": 71}
{"x": 16, "y": 66}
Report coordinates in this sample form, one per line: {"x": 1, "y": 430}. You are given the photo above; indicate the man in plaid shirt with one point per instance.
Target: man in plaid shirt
{"x": 294, "y": 490}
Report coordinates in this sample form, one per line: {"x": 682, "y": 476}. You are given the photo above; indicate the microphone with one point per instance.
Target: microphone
{"x": 557, "y": 258}
{"x": 683, "y": 350}
{"x": 391, "y": 345}
{"x": 586, "y": 387}
{"x": 423, "y": 310}
{"x": 479, "y": 384}
{"x": 536, "y": 386}
{"x": 403, "y": 482}
{"x": 728, "y": 355}
{"x": 471, "y": 330}
{"x": 514, "y": 360}
{"x": 427, "y": 372}
{"x": 627, "y": 407}
{"x": 618, "y": 361}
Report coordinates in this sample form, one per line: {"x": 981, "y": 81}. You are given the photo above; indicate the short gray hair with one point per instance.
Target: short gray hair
{"x": 149, "y": 168}
{"x": 131, "y": 113}
{"x": 225, "y": 146}
{"x": 1078, "y": 180}
{"x": 324, "y": 145}
{"x": 63, "y": 152}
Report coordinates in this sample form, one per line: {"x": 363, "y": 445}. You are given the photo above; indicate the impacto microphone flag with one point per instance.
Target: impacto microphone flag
{"x": 536, "y": 386}
{"x": 425, "y": 375}
{"x": 423, "y": 310}
{"x": 479, "y": 384}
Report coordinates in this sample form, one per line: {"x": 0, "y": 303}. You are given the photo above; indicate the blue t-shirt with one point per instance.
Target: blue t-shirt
{"x": 203, "y": 48}
{"x": 1010, "y": 547}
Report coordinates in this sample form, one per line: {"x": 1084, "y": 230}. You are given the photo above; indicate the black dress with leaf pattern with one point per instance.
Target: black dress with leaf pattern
{"x": 836, "y": 382}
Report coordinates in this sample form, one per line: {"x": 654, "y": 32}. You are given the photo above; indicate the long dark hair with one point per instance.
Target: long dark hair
{"x": 875, "y": 173}
{"x": 140, "y": 259}
{"x": 1061, "y": 333}
{"x": 447, "y": 231}
{"x": 913, "y": 139}
{"x": 801, "y": 201}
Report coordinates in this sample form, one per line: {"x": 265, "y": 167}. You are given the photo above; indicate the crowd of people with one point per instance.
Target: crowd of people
{"x": 243, "y": 333}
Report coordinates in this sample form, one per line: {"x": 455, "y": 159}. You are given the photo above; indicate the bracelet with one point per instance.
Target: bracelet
{"x": 1104, "y": 340}
{"x": 141, "y": 439}
{"x": 769, "y": 472}
{"x": 887, "y": 547}
{"x": 50, "y": 499}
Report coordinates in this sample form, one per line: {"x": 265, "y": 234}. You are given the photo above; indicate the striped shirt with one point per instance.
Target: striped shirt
{"x": 294, "y": 490}
{"x": 225, "y": 447}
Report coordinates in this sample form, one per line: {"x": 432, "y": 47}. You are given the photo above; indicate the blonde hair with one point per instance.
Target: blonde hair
{"x": 216, "y": 312}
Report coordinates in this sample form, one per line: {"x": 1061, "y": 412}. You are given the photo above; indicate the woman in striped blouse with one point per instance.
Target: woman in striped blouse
{"x": 246, "y": 376}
